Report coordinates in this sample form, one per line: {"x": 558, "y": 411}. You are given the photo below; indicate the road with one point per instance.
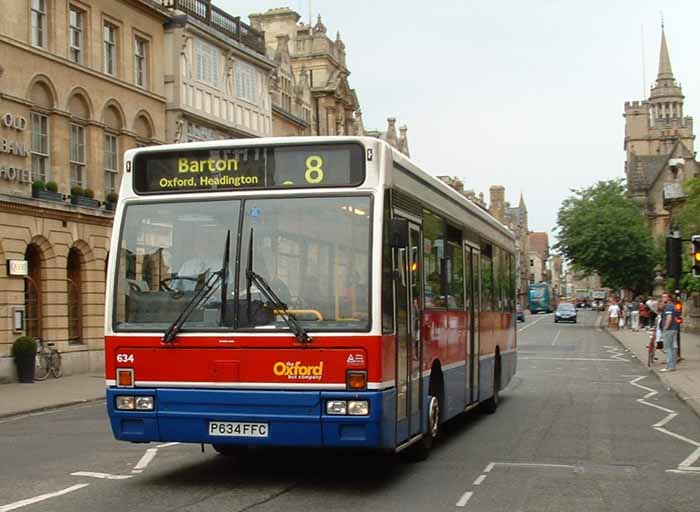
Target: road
{"x": 571, "y": 434}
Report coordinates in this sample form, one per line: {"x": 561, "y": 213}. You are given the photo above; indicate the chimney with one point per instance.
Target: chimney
{"x": 497, "y": 199}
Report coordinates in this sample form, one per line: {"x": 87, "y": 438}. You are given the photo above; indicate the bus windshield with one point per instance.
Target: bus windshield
{"x": 312, "y": 251}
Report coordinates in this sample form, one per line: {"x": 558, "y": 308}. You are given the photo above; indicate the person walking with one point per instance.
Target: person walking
{"x": 614, "y": 316}
{"x": 653, "y": 306}
{"x": 634, "y": 314}
{"x": 644, "y": 314}
{"x": 669, "y": 332}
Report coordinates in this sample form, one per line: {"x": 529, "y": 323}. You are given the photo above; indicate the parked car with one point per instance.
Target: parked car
{"x": 519, "y": 313}
{"x": 565, "y": 313}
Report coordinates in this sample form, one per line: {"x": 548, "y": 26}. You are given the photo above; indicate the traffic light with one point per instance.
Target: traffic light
{"x": 695, "y": 239}
{"x": 673, "y": 257}
{"x": 679, "y": 310}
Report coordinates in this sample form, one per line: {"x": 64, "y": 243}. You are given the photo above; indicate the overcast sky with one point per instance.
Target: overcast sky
{"x": 526, "y": 94}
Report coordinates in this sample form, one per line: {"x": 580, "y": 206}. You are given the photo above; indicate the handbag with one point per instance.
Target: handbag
{"x": 659, "y": 345}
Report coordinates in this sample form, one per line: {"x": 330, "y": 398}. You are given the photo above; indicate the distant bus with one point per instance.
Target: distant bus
{"x": 541, "y": 298}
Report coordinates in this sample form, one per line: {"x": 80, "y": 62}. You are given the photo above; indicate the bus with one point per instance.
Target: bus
{"x": 305, "y": 292}
{"x": 582, "y": 298}
{"x": 541, "y": 298}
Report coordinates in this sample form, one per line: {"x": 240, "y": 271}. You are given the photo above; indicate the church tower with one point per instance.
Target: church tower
{"x": 659, "y": 143}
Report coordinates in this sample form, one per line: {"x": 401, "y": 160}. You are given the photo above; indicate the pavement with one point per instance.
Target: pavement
{"x": 51, "y": 393}
{"x": 685, "y": 381}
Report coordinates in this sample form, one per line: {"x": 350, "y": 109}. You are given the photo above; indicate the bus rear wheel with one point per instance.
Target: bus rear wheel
{"x": 490, "y": 405}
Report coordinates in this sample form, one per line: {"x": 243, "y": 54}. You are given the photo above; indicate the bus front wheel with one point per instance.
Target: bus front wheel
{"x": 422, "y": 448}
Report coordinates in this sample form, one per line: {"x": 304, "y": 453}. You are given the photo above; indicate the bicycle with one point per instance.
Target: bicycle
{"x": 652, "y": 347}
{"x": 48, "y": 361}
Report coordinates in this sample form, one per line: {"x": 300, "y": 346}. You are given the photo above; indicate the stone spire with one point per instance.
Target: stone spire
{"x": 665, "y": 72}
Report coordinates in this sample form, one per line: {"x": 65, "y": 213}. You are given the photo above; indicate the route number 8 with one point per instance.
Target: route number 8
{"x": 314, "y": 169}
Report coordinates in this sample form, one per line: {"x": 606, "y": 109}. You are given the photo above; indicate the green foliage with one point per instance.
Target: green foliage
{"x": 52, "y": 186}
{"x": 601, "y": 230}
{"x": 23, "y": 345}
{"x": 688, "y": 220}
{"x": 76, "y": 191}
{"x": 88, "y": 192}
{"x": 38, "y": 185}
{"x": 112, "y": 197}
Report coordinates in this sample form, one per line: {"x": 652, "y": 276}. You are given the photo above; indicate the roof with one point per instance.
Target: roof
{"x": 539, "y": 243}
{"x": 643, "y": 171}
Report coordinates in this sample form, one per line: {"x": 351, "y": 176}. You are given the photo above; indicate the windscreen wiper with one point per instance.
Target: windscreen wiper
{"x": 279, "y": 307}
{"x": 200, "y": 296}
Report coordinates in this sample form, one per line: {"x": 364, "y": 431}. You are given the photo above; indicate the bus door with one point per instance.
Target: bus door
{"x": 472, "y": 258}
{"x": 409, "y": 351}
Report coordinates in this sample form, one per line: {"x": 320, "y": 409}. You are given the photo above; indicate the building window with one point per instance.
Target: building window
{"x": 110, "y": 49}
{"x": 532, "y": 263}
{"x": 76, "y": 35}
{"x": 39, "y": 23}
{"x": 140, "y": 62}
{"x": 40, "y": 147}
{"x": 207, "y": 63}
{"x": 111, "y": 164}
{"x": 246, "y": 82}
{"x": 286, "y": 94}
{"x": 77, "y": 155}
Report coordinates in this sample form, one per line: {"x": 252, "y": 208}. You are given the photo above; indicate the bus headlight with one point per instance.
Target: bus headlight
{"x": 144, "y": 403}
{"x": 358, "y": 408}
{"x": 336, "y": 407}
{"x": 125, "y": 403}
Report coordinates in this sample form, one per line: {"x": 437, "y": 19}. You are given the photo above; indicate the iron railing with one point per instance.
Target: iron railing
{"x": 220, "y": 20}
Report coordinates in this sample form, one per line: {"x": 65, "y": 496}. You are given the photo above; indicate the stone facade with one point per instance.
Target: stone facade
{"x": 516, "y": 220}
{"x": 217, "y": 76}
{"x": 659, "y": 143}
{"x": 538, "y": 244}
{"x": 320, "y": 60}
{"x": 78, "y": 87}
{"x": 398, "y": 141}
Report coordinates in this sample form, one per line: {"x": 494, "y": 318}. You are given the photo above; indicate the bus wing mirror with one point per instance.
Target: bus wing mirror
{"x": 398, "y": 233}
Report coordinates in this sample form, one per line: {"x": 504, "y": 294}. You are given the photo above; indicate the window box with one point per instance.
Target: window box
{"x": 84, "y": 201}
{"x": 47, "y": 195}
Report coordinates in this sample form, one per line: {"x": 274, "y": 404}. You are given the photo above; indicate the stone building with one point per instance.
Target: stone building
{"x": 217, "y": 75}
{"x": 80, "y": 83}
{"x": 400, "y": 141}
{"x": 322, "y": 61}
{"x": 538, "y": 254}
{"x": 516, "y": 220}
{"x": 659, "y": 142}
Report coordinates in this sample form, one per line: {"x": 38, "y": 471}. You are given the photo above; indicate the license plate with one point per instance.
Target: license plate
{"x": 237, "y": 429}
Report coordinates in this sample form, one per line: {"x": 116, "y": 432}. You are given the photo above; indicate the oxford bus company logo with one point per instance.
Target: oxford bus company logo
{"x": 298, "y": 371}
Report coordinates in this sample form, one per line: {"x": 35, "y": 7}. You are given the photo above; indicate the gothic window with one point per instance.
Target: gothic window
{"x": 207, "y": 63}
{"x": 246, "y": 82}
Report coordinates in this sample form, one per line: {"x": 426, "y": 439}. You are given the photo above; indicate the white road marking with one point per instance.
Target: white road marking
{"x": 691, "y": 458}
{"x": 105, "y": 476}
{"x": 146, "y": 459}
{"x": 576, "y": 359}
{"x": 464, "y": 499}
{"x": 547, "y": 315}
{"x": 488, "y": 468}
{"x": 165, "y": 445}
{"x": 41, "y": 497}
{"x": 535, "y": 464}
{"x": 554, "y": 342}
{"x": 687, "y": 464}
{"x": 53, "y": 411}
{"x": 480, "y": 479}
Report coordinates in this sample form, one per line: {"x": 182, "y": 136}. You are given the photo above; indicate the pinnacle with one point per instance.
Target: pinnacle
{"x": 665, "y": 72}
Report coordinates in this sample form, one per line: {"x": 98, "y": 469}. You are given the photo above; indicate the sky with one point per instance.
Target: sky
{"x": 524, "y": 94}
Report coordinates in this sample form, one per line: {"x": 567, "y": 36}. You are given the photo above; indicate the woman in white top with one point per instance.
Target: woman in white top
{"x": 614, "y": 316}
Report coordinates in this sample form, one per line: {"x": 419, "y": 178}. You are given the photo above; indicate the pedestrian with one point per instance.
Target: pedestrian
{"x": 644, "y": 314}
{"x": 670, "y": 332}
{"x": 623, "y": 314}
{"x": 634, "y": 314}
{"x": 613, "y": 316}
{"x": 653, "y": 306}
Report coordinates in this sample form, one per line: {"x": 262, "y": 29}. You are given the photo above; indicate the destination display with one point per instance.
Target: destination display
{"x": 226, "y": 169}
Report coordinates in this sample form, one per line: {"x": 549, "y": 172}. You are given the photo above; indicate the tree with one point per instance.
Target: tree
{"x": 688, "y": 220}
{"x": 601, "y": 230}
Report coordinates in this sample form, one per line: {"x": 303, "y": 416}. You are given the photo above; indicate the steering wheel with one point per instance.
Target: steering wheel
{"x": 174, "y": 292}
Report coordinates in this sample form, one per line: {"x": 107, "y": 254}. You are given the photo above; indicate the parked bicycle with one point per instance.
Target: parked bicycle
{"x": 48, "y": 361}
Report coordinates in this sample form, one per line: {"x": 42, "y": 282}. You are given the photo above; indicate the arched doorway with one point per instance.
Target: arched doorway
{"x": 75, "y": 303}
{"x": 32, "y": 292}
